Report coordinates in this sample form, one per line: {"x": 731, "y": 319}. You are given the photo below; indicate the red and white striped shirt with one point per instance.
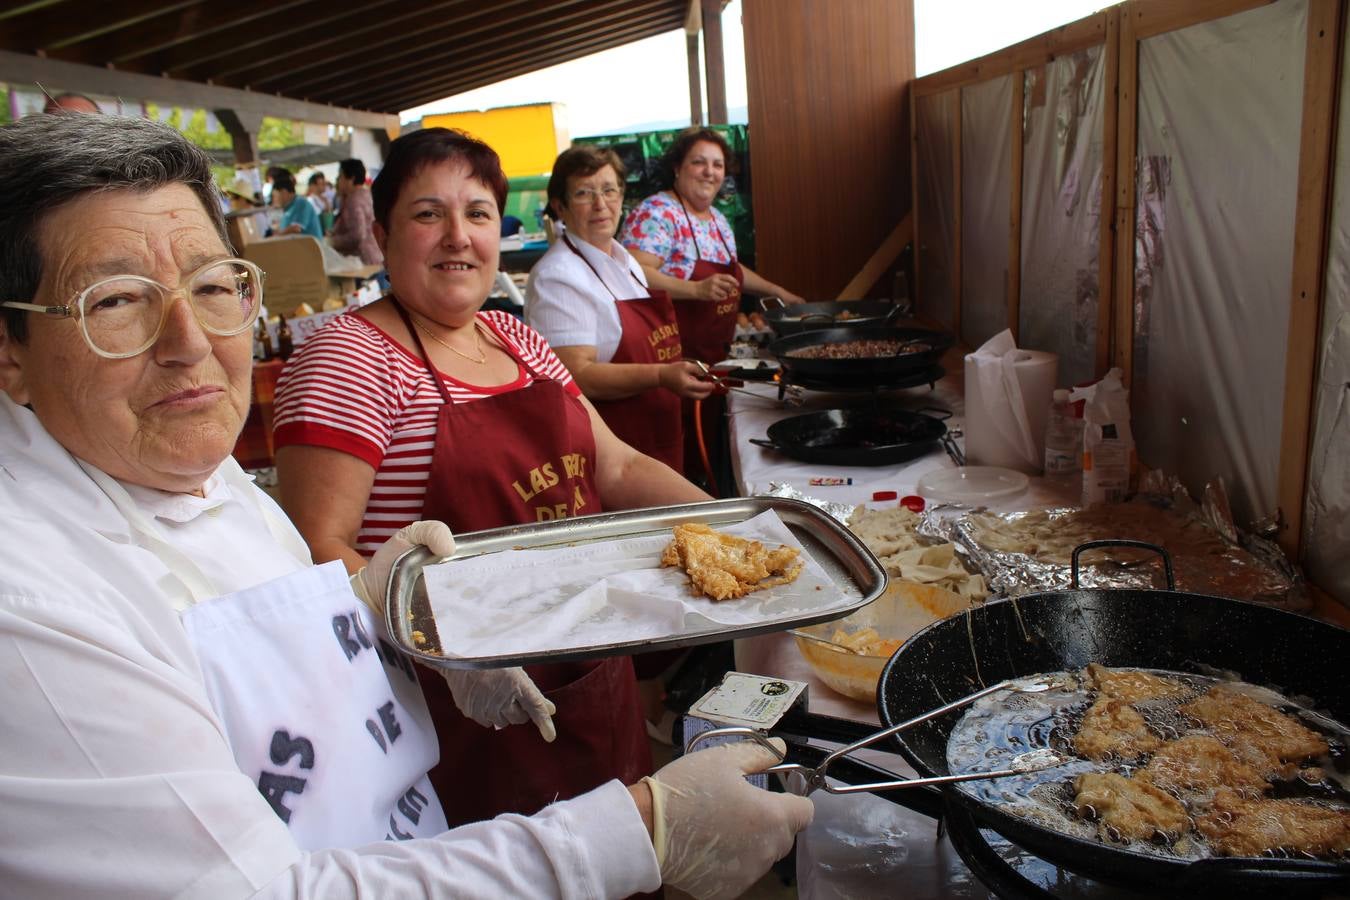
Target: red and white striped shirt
{"x": 353, "y": 388}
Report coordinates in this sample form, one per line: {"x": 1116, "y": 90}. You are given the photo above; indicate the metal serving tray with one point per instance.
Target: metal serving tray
{"x": 850, "y": 565}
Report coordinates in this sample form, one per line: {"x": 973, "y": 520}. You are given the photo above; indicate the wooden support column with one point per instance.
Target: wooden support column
{"x": 713, "y": 63}
{"x": 1127, "y": 155}
{"x": 1106, "y": 225}
{"x": 1321, "y": 78}
{"x": 1014, "y": 284}
{"x": 243, "y": 127}
{"x": 695, "y": 82}
{"x": 958, "y": 242}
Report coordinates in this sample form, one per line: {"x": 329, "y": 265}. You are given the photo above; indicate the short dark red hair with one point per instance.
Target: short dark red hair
{"x": 416, "y": 150}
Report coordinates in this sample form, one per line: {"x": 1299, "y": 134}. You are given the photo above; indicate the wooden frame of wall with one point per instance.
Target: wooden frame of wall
{"x": 1119, "y": 30}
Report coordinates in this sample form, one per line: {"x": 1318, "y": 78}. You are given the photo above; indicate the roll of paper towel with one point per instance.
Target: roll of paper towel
{"x": 1008, "y": 395}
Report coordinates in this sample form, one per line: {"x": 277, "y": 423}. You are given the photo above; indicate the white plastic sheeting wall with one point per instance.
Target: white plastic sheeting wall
{"x": 1061, "y": 210}
{"x": 1220, "y": 110}
{"x": 986, "y": 185}
{"x": 935, "y": 121}
{"x": 1327, "y": 513}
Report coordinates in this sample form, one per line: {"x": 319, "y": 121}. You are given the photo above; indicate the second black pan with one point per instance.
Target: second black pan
{"x": 855, "y": 437}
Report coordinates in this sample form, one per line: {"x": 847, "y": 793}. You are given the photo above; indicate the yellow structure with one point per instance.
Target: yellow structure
{"x": 528, "y": 138}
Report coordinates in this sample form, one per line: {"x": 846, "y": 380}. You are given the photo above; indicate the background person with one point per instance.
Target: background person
{"x": 421, "y": 404}
{"x": 589, "y": 299}
{"x": 352, "y": 233}
{"x": 70, "y": 102}
{"x": 189, "y": 703}
{"x": 297, "y": 213}
{"x": 686, "y": 246}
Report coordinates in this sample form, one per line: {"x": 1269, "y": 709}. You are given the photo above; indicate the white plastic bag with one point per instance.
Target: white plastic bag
{"x": 1108, "y": 444}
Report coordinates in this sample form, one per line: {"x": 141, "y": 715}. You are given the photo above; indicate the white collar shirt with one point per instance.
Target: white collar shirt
{"x": 570, "y": 307}
{"x": 116, "y": 777}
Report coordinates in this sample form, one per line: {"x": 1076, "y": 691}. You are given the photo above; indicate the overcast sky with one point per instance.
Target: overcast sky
{"x": 644, "y": 83}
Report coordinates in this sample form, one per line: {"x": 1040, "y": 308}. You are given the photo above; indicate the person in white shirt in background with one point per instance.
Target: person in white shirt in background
{"x": 191, "y": 707}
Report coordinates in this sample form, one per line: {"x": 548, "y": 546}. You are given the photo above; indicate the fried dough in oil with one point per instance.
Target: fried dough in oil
{"x": 1237, "y": 826}
{"x": 1258, "y": 733}
{"x": 1114, "y": 728}
{"x": 1200, "y": 763}
{"x": 1131, "y": 685}
{"x": 1130, "y": 808}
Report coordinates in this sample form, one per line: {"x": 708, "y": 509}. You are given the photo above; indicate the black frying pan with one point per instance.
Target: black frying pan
{"x": 855, "y": 437}
{"x": 801, "y": 317}
{"x": 1063, "y": 630}
{"x": 858, "y": 372}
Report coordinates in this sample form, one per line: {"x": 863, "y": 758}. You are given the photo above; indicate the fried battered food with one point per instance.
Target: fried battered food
{"x": 1257, "y": 733}
{"x": 723, "y": 566}
{"x": 1237, "y": 826}
{"x": 1114, "y": 728}
{"x": 1131, "y": 685}
{"x": 1130, "y": 808}
{"x": 1200, "y": 763}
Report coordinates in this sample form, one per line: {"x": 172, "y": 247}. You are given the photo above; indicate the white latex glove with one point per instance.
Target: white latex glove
{"x": 371, "y": 584}
{"x": 715, "y": 834}
{"x": 501, "y": 697}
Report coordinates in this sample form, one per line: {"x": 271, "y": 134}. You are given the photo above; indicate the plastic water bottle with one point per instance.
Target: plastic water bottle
{"x": 1063, "y": 440}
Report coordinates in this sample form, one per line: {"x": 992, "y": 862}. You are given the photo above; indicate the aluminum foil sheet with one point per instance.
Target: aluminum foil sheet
{"x": 840, "y": 511}
{"x": 1209, "y": 554}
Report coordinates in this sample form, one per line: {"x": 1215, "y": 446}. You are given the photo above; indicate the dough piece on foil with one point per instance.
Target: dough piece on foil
{"x": 1128, "y": 809}
{"x": 1113, "y": 728}
{"x": 723, "y": 566}
{"x": 1237, "y": 826}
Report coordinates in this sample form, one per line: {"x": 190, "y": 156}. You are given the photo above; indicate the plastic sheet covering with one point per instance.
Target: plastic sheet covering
{"x": 1219, "y": 122}
{"x": 1061, "y": 210}
{"x": 935, "y": 116}
{"x": 1327, "y": 513}
{"x": 986, "y": 186}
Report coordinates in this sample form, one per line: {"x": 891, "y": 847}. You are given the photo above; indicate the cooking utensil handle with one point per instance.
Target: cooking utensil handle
{"x": 779, "y": 303}
{"x": 926, "y": 801}
{"x": 770, "y": 445}
{"x": 1139, "y": 545}
{"x": 920, "y": 782}
{"x": 945, "y": 414}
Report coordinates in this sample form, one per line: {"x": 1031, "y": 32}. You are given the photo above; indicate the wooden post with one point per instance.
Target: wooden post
{"x": 713, "y": 62}
{"x": 916, "y": 289}
{"x": 956, "y": 217}
{"x": 1321, "y": 79}
{"x": 1106, "y": 223}
{"x": 242, "y": 127}
{"x": 695, "y": 81}
{"x": 1013, "y": 290}
{"x": 1126, "y": 169}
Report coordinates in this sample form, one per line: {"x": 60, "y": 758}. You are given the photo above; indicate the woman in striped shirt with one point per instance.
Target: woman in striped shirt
{"x": 422, "y": 406}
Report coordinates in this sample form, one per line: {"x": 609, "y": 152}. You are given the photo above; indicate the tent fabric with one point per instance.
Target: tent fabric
{"x": 986, "y": 191}
{"x": 1061, "y": 210}
{"x": 1220, "y": 107}
{"x": 1327, "y": 511}
{"x": 936, "y": 125}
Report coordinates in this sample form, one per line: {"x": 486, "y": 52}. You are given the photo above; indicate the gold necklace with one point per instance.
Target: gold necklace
{"x": 477, "y": 343}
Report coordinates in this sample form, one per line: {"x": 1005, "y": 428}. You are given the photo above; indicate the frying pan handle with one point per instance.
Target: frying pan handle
{"x": 1140, "y": 545}
{"x": 943, "y": 414}
{"x": 779, "y": 303}
{"x": 768, "y": 445}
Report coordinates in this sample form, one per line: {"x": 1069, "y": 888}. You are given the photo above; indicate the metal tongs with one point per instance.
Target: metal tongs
{"x": 949, "y": 444}
{"x": 793, "y": 395}
{"x": 1021, "y": 764}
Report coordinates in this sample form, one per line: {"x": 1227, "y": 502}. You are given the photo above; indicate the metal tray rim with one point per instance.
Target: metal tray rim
{"x": 866, "y": 573}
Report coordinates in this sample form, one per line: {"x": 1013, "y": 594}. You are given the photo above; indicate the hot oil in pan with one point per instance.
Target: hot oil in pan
{"x": 1001, "y": 726}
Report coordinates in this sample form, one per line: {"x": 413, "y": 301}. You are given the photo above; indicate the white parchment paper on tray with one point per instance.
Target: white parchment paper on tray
{"x": 609, "y": 592}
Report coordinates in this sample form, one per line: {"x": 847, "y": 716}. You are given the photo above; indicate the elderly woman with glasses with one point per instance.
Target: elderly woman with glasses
{"x": 590, "y": 300}
{"x": 191, "y": 707}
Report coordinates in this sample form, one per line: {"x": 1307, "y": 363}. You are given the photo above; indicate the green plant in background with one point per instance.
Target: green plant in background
{"x": 4, "y": 104}
{"x": 275, "y": 134}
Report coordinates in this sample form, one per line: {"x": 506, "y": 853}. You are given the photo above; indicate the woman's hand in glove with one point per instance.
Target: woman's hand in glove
{"x": 372, "y": 583}
{"x": 715, "y": 834}
{"x": 501, "y": 697}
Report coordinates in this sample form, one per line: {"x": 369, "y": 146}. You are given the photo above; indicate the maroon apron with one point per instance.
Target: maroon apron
{"x": 707, "y": 327}
{"x": 649, "y": 421}
{"x": 538, "y": 464}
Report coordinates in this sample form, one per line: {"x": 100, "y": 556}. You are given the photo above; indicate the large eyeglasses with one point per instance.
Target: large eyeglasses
{"x": 609, "y": 193}
{"x": 124, "y": 315}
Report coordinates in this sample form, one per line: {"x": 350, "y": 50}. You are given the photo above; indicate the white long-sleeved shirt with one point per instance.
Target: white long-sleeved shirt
{"x": 116, "y": 779}
{"x": 567, "y": 305}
